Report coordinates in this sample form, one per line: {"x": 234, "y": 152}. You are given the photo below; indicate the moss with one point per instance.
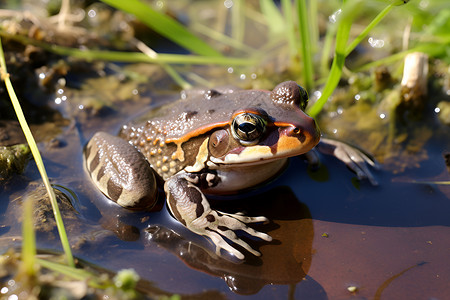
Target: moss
{"x": 13, "y": 160}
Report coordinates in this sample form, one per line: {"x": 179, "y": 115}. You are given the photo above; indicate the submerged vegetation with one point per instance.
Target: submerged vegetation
{"x": 299, "y": 43}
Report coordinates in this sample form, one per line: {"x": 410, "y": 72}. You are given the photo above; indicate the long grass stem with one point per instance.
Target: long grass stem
{"x": 132, "y": 57}
{"x": 350, "y": 9}
{"x": 314, "y": 24}
{"x": 369, "y": 27}
{"x": 222, "y": 38}
{"x": 29, "y": 238}
{"x": 274, "y": 19}
{"x": 77, "y": 274}
{"x": 327, "y": 49}
{"x": 290, "y": 32}
{"x": 305, "y": 46}
{"x": 432, "y": 49}
{"x": 37, "y": 157}
{"x": 168, "y": 68}
{"x": 164, "y": 25}
{"x": 238, "y": 20}
{"x": 342, "y": 36}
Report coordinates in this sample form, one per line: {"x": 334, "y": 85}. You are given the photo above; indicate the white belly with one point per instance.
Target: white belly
{"x": 233, "y": 180}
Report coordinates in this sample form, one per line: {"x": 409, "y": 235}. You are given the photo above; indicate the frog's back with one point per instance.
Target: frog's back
{"x": 211, "y": 109}
{"x": 185, "y": 115}
{"x": 162, "y": 137}
{"x": 171, "y": 136}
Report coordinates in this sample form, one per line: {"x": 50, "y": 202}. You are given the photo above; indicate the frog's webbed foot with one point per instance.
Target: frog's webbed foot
{"x": 190, "y": 206}
{"x": 354, "y": 158}
{"x": 225, "y": 225}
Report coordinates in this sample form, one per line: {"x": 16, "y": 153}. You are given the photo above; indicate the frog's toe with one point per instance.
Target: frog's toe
{"x": 358, "y": 162}
{"x": 245, "y": 219}
{"x": 362, "y": 172}
{"x": 231, "y": 235}
{"x": 220, "y": 243}
{"x": 355, "y": 159}
{"x": 238, "y": 222}
{"x": 225, "y": 225}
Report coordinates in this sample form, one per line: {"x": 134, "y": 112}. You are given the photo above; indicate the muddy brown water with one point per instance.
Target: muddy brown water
{"x": 330, "y": 235}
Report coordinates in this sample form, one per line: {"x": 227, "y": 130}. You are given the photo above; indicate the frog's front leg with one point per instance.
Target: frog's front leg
{"x": 356, "y": 159}
{"x": 189, "y": 206}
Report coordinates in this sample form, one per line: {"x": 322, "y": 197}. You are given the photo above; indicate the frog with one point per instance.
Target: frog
{"x": 213, "y": 142}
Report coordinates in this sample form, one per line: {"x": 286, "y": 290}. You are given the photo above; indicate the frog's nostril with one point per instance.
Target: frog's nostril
{"x": 296, "y": 130}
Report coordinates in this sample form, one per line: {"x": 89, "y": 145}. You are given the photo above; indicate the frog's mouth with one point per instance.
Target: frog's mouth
{"x": 286, "y": 141}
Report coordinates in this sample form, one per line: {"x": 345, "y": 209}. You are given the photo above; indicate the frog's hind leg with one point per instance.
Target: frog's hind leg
{"x": 190, "y": 206}
{"x": 120, "y": 172}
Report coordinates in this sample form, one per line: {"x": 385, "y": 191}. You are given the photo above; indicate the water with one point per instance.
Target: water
{"x": 334, "y": 237}
{"x": 329, "y": 236}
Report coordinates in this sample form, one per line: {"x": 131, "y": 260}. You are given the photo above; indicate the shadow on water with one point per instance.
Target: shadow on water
{"x": 167, "y": 248}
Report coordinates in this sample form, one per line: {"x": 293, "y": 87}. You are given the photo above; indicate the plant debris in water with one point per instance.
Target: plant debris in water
{"x": 53, "y": 282}
{"x": 13, "y": 160}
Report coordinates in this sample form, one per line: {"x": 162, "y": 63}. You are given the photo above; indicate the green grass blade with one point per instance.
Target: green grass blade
{"x": 273, "y": 16}
{"x": 29, "y": 238}
{"x": 369, "y": 27}
{"x": 165, "y": 26}
{"x": 314, "y": 24}
{"x": 342, "y": 36}
{"x": 177, "y": 77}
{"x": 37, "y": 156}
{"x": 222, "y": 38}
{"x": 71, "y": 272}
{"x": 327, "y": 49}
{"x": 332, "y": 81}
{"x": 286, "y": 5}
{"x": 350, "y": 10}
{"x": 432, "y": 49}
{"x": 168, "y": 68}
{"x": 132, "y": 57}
{"x": 238, "y": 20}
{"x": 305, "y": 45}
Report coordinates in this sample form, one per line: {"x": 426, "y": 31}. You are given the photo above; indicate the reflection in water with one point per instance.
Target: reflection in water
{"x": 286, "y": 260}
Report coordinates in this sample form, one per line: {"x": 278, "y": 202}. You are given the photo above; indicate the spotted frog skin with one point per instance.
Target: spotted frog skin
{"x": 210, "y": 143}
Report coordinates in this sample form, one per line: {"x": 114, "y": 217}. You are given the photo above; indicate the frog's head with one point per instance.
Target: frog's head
{"x": 270, "y": 125}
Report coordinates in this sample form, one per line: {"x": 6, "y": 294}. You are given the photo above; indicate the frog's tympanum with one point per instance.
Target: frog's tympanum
{"x": 211, "y": 143}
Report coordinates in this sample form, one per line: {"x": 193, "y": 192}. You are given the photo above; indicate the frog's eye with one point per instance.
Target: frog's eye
{"x": 248, "y": 128}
